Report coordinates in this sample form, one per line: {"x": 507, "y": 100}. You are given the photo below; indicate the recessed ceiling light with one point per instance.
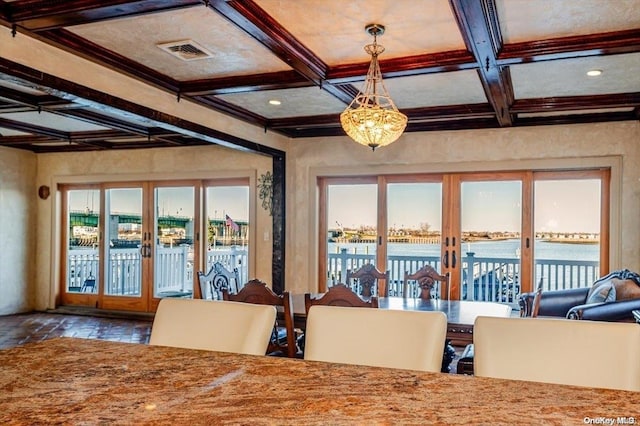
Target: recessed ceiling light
{"x": 274, "y": 102}
{"x": 594, "y": 73}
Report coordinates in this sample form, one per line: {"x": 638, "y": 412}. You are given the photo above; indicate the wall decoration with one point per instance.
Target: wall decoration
{"x": 265, "y": 188}
{"x": 43, "y": 192}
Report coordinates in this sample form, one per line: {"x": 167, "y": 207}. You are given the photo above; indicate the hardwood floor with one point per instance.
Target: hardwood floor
{"x": 32, "y": 327}
{"x": 24, "y": 328}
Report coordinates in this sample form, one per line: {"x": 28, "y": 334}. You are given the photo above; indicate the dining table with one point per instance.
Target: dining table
{"x": 88, "y": 381}
{"x": 461, "y": 314}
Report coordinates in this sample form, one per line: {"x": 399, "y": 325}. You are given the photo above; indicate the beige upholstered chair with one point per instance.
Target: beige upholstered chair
{"x": 583, "y": 353}
{"x": 376, "y": 337}
{"x": 213, "y": 325}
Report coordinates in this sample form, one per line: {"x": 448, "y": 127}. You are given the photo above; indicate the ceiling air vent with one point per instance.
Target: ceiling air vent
{"x": 187, "y": 50}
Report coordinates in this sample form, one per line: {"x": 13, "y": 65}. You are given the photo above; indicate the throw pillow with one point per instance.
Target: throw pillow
{"x": 602, "y": 292}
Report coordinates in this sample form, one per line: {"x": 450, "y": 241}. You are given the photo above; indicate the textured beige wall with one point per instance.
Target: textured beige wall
{"x": 617, "y": 144}
{"x": 202, "y": 162}
{"x": 18, "y": 229}
{"x": 473, "y": 150}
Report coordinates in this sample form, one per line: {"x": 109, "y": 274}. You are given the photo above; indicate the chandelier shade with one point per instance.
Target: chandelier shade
{"x": 372, "y": 119}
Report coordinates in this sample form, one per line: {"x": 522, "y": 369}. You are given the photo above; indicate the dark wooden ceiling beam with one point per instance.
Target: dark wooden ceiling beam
{"x": 569, "y": 103}
{"x": 480, "y": 30}
{"x": 39, "y": 15}
{"x": 416, "y": 115}
{"x": 17, "y": 140}
{"x": 247, "y": 83}
{"x": 454, "y": 60}
{"x": 611, "y": 43}
{"x": 575, "y": 118}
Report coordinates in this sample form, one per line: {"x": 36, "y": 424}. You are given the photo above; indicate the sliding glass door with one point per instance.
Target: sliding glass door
{"x": 495, "y": 234}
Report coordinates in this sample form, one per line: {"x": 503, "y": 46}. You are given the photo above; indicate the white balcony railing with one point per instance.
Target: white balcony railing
{"x": 494, "y": 279}
{"x": 173, "y": 269}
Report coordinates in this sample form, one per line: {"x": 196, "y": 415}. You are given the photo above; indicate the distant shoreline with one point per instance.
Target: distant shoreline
{"x": 436, "y": 240}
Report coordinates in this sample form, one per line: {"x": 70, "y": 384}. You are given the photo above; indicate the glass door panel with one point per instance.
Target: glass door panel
{"x": 123, "y": 242}
{"x": 228, "y": 230}
{"x": 491, "y": 223}
{"x": 567, "y": 222}
{"x": 173, "y": 248}
{"x": 83, "y": 219}
{"x": 414, "y": 230}
{"x": 352, "y": 229}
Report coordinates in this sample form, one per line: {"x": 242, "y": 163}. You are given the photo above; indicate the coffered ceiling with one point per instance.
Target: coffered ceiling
{"x": 448, "y": 64}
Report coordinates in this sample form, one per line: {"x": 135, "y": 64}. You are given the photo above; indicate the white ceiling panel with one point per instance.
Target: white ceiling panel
{"x": 14, "y": 86}
{"x": 10, "y": 132}
{"x": 334, "y": 29}
{"x": 620, "y": 74}
{"x": 234, "y": 52}
{"x": 452, "y": 88}
{"x": 294, "y": 102}
{"x": 54, "y": 121}
{"x": 525, "y": 20}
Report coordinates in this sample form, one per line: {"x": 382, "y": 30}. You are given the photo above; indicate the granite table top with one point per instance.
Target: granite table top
{"x": 85, "y": 381}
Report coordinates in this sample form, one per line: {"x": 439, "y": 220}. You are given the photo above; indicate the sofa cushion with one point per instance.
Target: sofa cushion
{"x": 626, "y": 289}
{"x": 602, "y": 291}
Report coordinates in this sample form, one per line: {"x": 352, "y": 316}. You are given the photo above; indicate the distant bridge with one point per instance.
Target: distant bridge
{"x": 91, "y": 219}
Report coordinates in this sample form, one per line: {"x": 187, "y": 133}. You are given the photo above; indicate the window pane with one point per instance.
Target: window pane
{"x": 352, "y": 225}
{"x": 227, "y": 212}
{"x": 414, "y": 212}
{"x": 491, "y": 223}
{"x": 567, "y": 233}
{"x": 82, "y": 245}
{"x": 173, "y": 265}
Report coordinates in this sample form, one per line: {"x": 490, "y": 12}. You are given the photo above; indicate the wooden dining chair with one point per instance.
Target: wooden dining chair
{"x": 339, "y": 295}
{"x": 257, "y": 292}
{"x": 426, "y": 278}
{"x": 552, "y": 350}
{"x": 213, "y": 325}
{"x": 218, "y": 278}
{"x": 410, "y": 340}
{"x": 369, "y": 280}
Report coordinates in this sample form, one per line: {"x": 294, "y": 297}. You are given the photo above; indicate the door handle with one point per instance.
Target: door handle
{"x": 453, "y": 259}
{"x": 445, "y": 259}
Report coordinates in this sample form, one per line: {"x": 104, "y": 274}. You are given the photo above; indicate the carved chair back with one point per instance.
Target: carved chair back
{"x": 218, "y": 278}
{"x": 340, "y": 295}
{"x": 426, "y": 277}
{"x": 257, "y": 292}
{"x": 367, "y": 281}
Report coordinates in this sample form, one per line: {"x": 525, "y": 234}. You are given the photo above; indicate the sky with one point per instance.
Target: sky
{"x": 560, "y": 206}
{"x": 176, "y": 201}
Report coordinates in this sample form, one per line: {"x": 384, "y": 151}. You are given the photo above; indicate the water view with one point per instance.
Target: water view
{"x": 496, "y": 249}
